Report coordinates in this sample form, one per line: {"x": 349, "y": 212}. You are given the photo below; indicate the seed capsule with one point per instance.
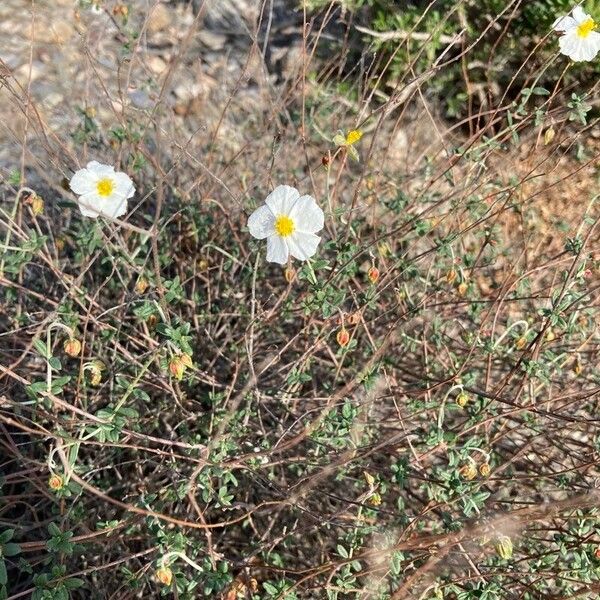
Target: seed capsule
{"x": 289, "y": 274}
{"x": 55, "y": 482}
{"x": 343, "y": 337}
{"x": 373, "y": 274}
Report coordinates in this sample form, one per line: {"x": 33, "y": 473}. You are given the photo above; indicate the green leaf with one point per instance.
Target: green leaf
{"x": 40, "y": 346}
{"x": 3, "y": 574}
{"x": 6, "y": 536}
{"x": 11, "y": 549}
{"x": 55, "y": 363}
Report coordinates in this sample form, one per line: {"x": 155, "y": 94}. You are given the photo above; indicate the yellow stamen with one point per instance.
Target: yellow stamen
{"x": 284, "y": 226}
{"x": 105, "y": 187}
{"x": 585, "y": 28}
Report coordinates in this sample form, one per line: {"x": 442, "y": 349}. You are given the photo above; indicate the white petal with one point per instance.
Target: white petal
{"x": 281, "y": 199}
{"x": 564, "y": 24}
{"x": 303, "y": 245}
{"x": 594, "y": 40}
{"x": 99, "y": 169}
{"x": 261, "y": 222}
{"x": 580, "y": 15}
{"x": 88, "y": 204}
{"x": 307, "y": 215}
{"x": 123, "y": 185}
{"x": 82, "y": 182}
{"x": 93, "y": 205}
{"x": 568, "y": 43}
{"x": 115, "y": 207}
{"x": 277, "y": 250}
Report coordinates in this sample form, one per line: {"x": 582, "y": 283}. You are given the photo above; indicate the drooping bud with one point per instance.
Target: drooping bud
{"x": 375, "y": 499}
{"x": 468, "y": 471}
{"x": 549, "y": 135}
{"x": 72, "y": 347}
{"x": 577, "y": 367}
{"x": 504, "y": 547}
{"x": 179, "y": 363}
{"x": 451, "y": 276}
{"x": 485, "y": 470}
{"x": 550, "y": 335}
{"x": 462, "y": 288}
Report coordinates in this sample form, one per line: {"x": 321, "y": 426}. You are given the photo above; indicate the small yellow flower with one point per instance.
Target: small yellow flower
{"x": 462, "y": 399}
{"x": 369, "y": 479}
{"x": 485, "y": 470}
{"x": 521, "y": 343}
{"x": 55, "y": 482}
{"x": 353, "y": 136}
{"x": 550, "y": 335}
{"x": 549, "y": 135}
{"x": 347, "y": 141}
{"x": 164, "y": 575}
{"x": 72, "y": 347}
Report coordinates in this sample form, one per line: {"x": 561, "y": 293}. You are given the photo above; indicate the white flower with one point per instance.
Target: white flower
{"x": 289, "y": 222}
{"x": 102, "y": 190}
{"x": 579, "y": 40}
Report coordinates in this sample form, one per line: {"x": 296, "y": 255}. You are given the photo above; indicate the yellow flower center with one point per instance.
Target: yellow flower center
{"x": 284, "y": 226}
{"x": 585, "y": 28}
{"x": 105, "y": 187}
{"x": 353, "y": 136}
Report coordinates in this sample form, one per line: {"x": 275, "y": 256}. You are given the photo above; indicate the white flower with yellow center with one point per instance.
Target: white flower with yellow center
{"x": 579, "y": 40}
{"x": 102, "y": 191}
{"x": 289, "y": 222}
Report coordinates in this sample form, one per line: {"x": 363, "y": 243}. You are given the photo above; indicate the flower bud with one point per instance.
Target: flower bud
{"x": 37, "y": 205}
{"x": 549, "y": 135}
{"x": 375, "y": 499}
{"x": 289, "y": 274}
{"x": 179, "y": 363}
{"x": 96, "y": 369}
{"x": 343, "y": 337}
{"x": 550, "y": 335}
{"x": 485, "y": 470}
{"x": 72, "y": 347}
{"x": 462, "y": 288}
{"x": 164, "y": 575}
{"x": 577, "y": 368}
{"x": 141, "y": 285}
{"x": 354, "y": 318}
{"x": 504, "y": 547}
{"x": 55, "y": 482}
{"x": 462, "y": 399}
{"x": 120, "y": 10}
{"x": 373, "y": 274}
{"x": 468, "y": 471}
